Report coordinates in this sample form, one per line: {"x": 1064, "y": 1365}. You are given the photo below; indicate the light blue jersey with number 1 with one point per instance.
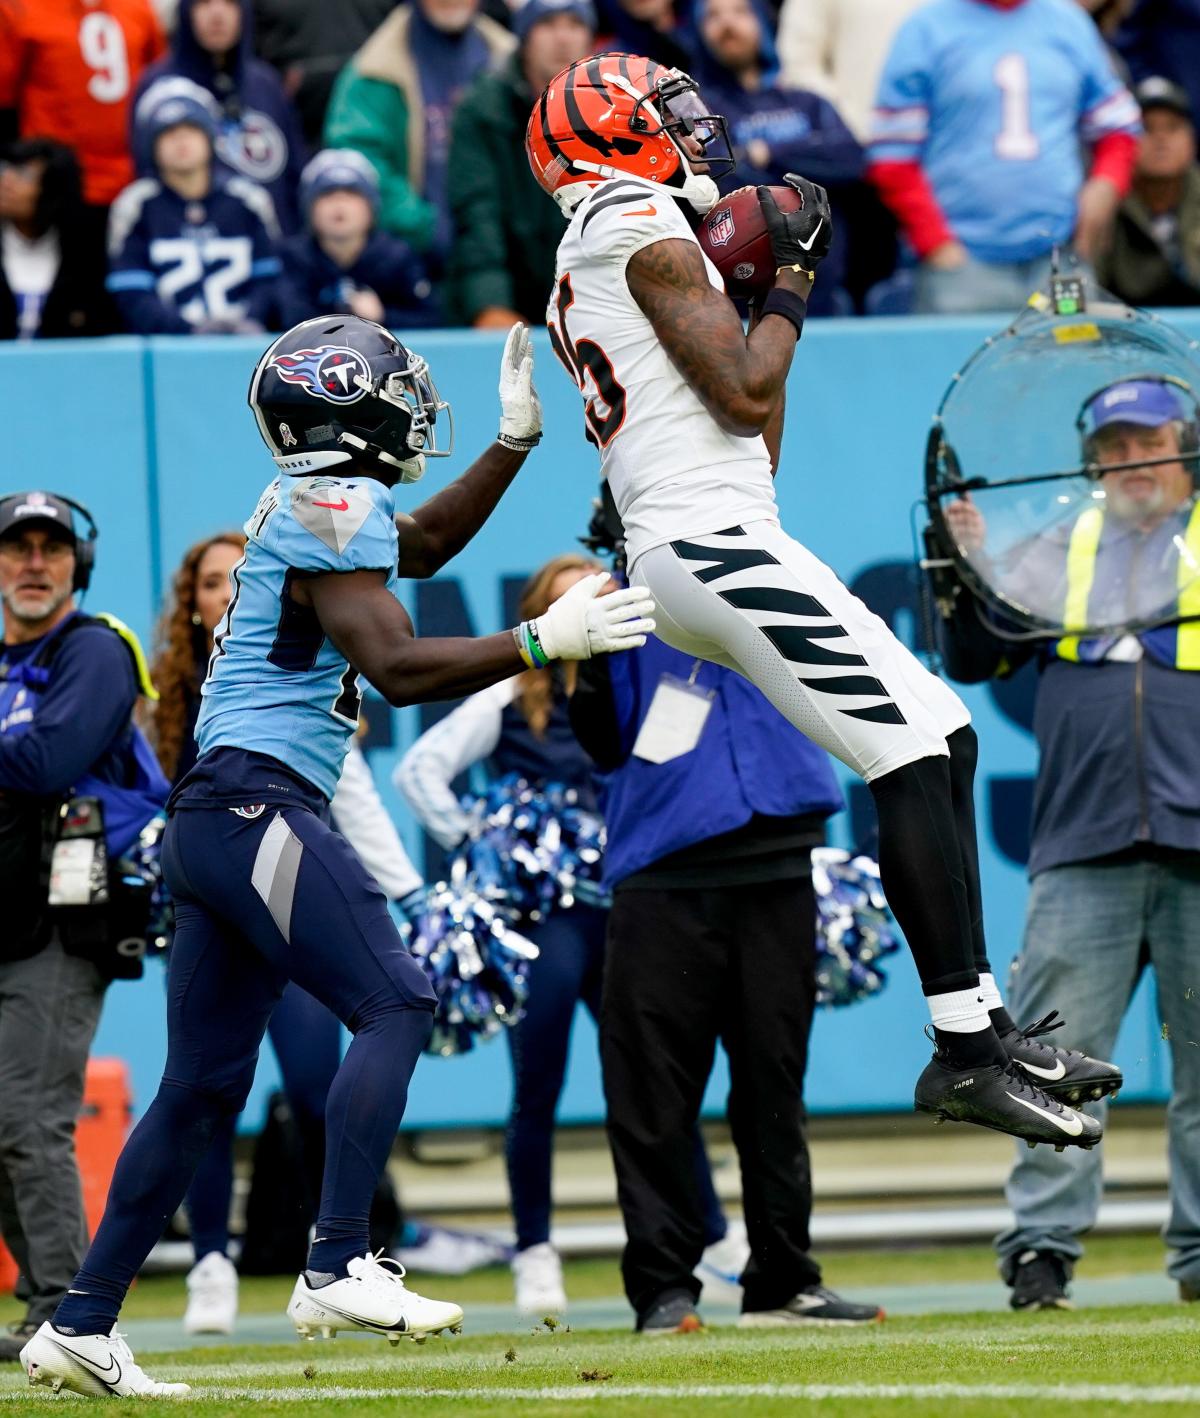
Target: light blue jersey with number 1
{"x": 276, "y": 685}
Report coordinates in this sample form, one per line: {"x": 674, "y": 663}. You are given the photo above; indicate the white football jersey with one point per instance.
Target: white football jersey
{"x": 673, "y": 471}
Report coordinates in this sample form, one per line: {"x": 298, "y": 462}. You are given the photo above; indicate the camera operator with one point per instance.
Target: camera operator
{"x": 77, "y": 786}
{"x": 1115, "y": 852}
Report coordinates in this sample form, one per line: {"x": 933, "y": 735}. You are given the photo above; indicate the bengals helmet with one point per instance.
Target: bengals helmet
{"x": 618, "y": 115}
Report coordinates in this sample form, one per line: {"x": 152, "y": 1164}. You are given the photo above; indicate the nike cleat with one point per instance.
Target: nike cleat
{"x": 814, "y": 1307}
{"x": 94, "y": 1365}
{"x": 1065, "y": 1074}
{"x": 1002, "y": 1098}
{"x": 374, "y": 1298}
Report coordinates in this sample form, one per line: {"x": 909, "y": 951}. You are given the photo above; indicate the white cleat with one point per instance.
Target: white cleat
{"x": 373, "y": 1297}
{"x": 94, "y": 1365}
{"x": 538, "y": 1280}
{"x": 212, "y": 1287}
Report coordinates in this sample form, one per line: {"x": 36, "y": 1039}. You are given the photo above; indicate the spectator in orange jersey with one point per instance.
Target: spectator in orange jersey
{"x": 67, "y": 70}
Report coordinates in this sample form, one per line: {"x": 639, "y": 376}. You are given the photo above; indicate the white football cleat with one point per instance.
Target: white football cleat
{"x": 94, "y": 1365}
{"x": 212, "y": 1287}
{"x": 373, "y": 1297}
{"x": 538, "y": 1278}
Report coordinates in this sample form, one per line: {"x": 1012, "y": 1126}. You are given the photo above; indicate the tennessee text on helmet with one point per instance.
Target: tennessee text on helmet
{"x": 621, "y": 115}
{"x": 339, "y": 389}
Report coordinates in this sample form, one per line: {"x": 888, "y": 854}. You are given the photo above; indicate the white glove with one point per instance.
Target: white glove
{"x": 583, "y": 623}
{"x": 520, "y": 407}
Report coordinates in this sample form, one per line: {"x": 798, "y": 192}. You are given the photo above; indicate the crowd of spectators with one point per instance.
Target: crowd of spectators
{"x": 235, "y": 165}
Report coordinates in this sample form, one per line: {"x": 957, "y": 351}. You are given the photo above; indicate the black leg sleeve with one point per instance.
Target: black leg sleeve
{"x": 964, "y": 755}
{"x": 924, "y": 876}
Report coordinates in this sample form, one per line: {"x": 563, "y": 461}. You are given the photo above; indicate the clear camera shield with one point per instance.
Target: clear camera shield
{"x": 1023, "y": 502}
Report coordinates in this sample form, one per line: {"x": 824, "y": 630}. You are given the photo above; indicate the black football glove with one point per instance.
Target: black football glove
{"x": 801, "y": 238}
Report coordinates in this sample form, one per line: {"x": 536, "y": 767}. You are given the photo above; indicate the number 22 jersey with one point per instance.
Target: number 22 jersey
{"x": 673, "y": 471}
{"x": 276, "y": 685}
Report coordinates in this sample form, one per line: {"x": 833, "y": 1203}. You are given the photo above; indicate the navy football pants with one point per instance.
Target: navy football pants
{"x": 258, "y": 902}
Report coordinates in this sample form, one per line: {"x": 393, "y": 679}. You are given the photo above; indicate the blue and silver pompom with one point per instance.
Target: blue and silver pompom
{"x": 855, "y": 929}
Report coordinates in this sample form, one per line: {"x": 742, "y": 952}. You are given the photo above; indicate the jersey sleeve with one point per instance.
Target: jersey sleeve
{"x": 1108, "y": 106}
{"x": 900, "y": 120}
{"x": 623, "y": 217}
{"x": 336, "y": 526}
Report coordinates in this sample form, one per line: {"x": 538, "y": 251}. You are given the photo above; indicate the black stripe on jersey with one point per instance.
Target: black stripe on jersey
{"x": 610, "y": 197}
{"x": 878, "y": 714}
{"x": 797, "y": 644}
{"x": 298, "y": 632}
{"x": 728, "y": 559}
{"x": 847, "y": 684}
{"x": 775, "y": 599}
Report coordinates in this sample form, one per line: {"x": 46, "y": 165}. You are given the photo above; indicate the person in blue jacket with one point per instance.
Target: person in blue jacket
{"x": 342, "y": 261}
{"x": 68, "y": 686}
{"x": 258, "y": 132}
{"x": 190, "y": 251}
{"x": 775, "y": 128}
{"x": 713, "y": 803}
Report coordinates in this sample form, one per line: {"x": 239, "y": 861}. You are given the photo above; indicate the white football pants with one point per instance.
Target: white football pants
{"x": 752, "y": 599}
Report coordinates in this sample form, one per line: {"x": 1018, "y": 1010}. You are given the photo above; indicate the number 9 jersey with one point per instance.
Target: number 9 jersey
{"x": 276, "y": 685}
{"x": 673, "y": 471}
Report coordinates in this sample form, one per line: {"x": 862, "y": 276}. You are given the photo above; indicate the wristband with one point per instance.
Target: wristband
{"x": 787, "y": 303}
{"x": 529, "y": 647}
{"x": 519, "y": 445}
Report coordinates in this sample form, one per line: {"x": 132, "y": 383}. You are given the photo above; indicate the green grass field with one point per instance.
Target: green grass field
{"x": 1104, "y": 1360}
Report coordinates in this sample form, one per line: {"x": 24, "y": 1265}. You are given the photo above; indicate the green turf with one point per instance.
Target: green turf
{"x": 162, "y": 1297}
{"x": 1122, "y": 1354}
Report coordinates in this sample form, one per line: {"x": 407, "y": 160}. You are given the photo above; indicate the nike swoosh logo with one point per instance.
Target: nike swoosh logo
{"x": 808, "y": 245}
{"x": 1072, "y": 1126}
{"x": 1051, "y": 1075}
{"x": 649, "y": 211}
{"x": 112, "y": 1367}
{"x": 336, "y": 506}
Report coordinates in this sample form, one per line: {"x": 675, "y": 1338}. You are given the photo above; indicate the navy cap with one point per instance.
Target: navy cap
{"x": 339, "y": 170}
{"x": 170, "y": 102}
{"x": 534, "y": 11}
{"x": 27, "y": 508}
{"x": 1143, "y": 401}
{"x": 1157, "y": 92}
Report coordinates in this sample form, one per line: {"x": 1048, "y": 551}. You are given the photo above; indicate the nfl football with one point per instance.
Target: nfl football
{"x": 734, "y": 238}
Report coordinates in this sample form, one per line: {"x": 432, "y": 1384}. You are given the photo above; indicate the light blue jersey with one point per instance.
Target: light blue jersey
{"x": 276, "y": 685}
{"x": 996, "y": 105}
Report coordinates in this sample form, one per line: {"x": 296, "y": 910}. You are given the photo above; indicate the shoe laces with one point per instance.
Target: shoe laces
{"x": 381, "y": 1267}
{"x": 1032, "y": 1033}
{"x": 1019, "y": 1080}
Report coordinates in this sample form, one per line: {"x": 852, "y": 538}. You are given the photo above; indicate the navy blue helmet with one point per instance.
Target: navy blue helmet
{"x": 340, "y": 389}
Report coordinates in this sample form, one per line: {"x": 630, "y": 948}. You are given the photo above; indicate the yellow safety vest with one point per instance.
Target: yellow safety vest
{"x": 1081, "y": 571}
{"x": 145, "y": 683}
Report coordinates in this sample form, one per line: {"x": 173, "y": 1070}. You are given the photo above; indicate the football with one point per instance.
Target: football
{"x": 734, "y": 238}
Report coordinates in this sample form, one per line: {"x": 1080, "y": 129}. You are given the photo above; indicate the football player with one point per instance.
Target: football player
{"x": 686, "y": 410}
{"x": 265, "y": 891}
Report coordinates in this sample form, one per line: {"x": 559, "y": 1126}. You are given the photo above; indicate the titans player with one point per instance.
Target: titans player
{"x": 265, "y": 891}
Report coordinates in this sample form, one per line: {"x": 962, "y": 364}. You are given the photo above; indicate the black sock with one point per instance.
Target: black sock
{"x": 1002, "y": 1021}
{"x": 922, "y": 870}
{"x": 963, "y": 1051}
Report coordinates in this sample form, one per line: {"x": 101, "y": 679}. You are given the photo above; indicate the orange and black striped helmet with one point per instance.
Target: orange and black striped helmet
{"x": 612, "y": 115}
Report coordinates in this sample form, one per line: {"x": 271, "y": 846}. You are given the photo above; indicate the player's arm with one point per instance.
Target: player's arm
{"x": 373, "y": 631}
{"x": 773, "y": 431}
{"x": 440, "y": 528}
{"x": 738, "y": 377}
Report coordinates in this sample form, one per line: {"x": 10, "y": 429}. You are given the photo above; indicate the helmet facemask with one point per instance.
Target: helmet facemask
{"x": 678, "y": 98}
{"x": 406, "y": 437}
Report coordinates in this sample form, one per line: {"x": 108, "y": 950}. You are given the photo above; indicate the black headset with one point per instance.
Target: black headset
{"x": 1189, "y": 438}
{"x": 85, "y": 550}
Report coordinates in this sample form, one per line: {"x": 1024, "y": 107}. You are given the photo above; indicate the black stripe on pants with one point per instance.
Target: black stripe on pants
{"x": 683, "y": 969}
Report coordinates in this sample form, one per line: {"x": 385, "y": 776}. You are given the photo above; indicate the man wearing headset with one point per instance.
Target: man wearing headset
{"x": 68, "y": 685}
{"x": 1115, "y": 851}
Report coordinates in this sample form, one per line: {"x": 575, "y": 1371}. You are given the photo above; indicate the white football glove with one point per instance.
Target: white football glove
{"x": 583, "y": 623}
{"x": 520, "y": 407}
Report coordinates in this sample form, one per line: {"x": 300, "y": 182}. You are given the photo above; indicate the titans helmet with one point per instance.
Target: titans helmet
{"x": 339, "y": 389}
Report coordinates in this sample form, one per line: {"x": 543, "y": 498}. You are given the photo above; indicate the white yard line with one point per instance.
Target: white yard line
{"x": 1052, "y": 1393}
